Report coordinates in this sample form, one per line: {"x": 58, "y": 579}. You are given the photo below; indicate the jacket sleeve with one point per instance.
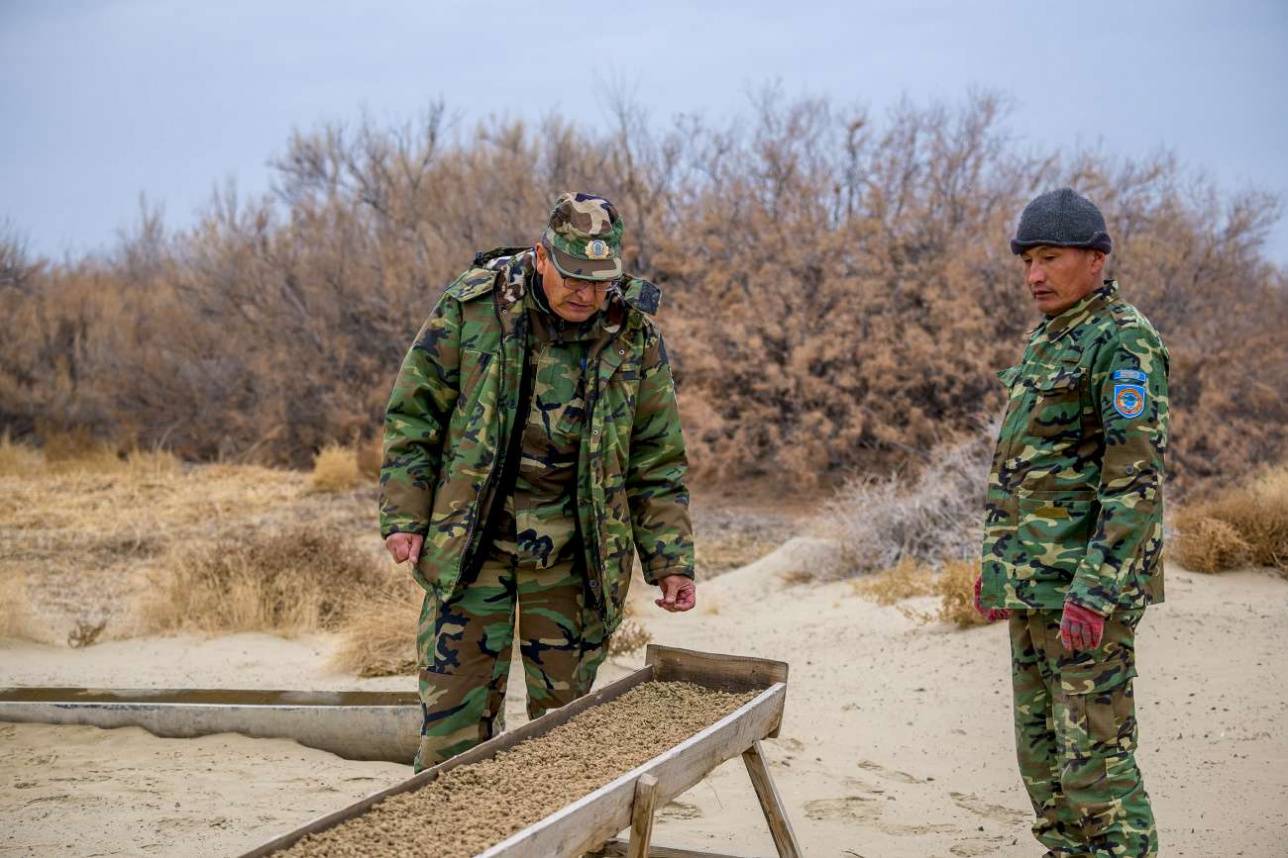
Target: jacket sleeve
{"x": 1130, "y": 388}
{"x": 655, "y": 488}
{"x": 416, "y": 419}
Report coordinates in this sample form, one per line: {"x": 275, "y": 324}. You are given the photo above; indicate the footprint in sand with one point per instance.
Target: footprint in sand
{"x": 995, "y": 812}
{"x": 976, "y": 847}
{"x": 850, "y": 808}
{"x": 680, "y": 810}
{"x": 889, "y": 774}
{"x": 899, "y": 830}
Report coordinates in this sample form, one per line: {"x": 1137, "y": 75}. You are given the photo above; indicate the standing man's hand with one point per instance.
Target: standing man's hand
{"x": 404, "y": 546}
{"x": 990, "y": 615}
{"x": 1080, "y": 628}
{"x": 679, "y": 593}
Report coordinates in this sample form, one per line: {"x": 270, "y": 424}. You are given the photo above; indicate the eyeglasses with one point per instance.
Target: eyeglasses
{"x": 601, "y": 287}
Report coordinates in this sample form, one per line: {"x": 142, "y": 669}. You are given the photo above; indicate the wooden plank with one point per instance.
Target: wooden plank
{"x": 617, "y": 849}
{"x": 642, "y": 816}
{"x": 592, "y": 820}
{"x": 780, "y": 827}
{"x": 481, "y": 751}
{"x": 725, "y": 672}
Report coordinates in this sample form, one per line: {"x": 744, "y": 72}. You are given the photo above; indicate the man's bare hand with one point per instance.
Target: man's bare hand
{"x": 679, "y": 593}
{"x": 404, "y": 546}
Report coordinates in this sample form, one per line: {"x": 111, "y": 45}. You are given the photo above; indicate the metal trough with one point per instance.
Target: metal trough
{"x": 589, "y": 824}
{"x": 356, "y": 725}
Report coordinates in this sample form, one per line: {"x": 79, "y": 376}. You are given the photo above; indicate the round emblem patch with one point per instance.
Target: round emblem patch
{"x": 1129, "y": 400}
{"x": 597, "y": 249}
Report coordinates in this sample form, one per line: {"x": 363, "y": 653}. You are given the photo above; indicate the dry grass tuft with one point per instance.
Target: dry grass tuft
{"x": 19, "y": 460}
{"x": 335, "y": 469}
{"x": 1238, "y": 527}
{"x": 904, "y": 580}
{"x": 379, "y": 634}
{"x": 955, "y": 586}
{"x": 629, "y": 637}
{"x": 879, "y": 523}
{"x": 796, "y": 577}
{"x": 298, "y": 580}
{"x": 369, "y": 455}
{"x": 1206, "y": 544}
{"x": 15, "y": 609}
{"x": 85, "y": 634}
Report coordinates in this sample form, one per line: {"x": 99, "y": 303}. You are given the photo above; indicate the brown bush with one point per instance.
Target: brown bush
{"x": 335, "y": 469}
{"x": 955, "y": 586}
{"x": 1206, "y": 544}
{"x": 839, "y": 291}
{"x": 15, "y": 607}
{"x": 297, "y": 580}
{"x": 904, "y": 580}
{"x": 378, "y": 637}
{"x": 629, "y": 637}
{"x": 1237, "y": 527}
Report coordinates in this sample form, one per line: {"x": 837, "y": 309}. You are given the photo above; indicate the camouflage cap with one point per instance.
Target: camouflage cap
{"x": 584, "y": 237}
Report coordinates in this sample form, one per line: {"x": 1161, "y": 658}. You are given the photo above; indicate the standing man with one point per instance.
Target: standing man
{"x": 532, "y": 446}
{"x": 1073, "y": 533}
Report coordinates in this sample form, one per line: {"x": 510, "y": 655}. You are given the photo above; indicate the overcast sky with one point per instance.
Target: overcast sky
{"x": 102, "y": 101}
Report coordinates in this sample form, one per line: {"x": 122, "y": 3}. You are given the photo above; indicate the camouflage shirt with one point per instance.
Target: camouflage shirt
{"x": 453, "y": 410}
{"x": 539, "y": 521}
{"x": 1075, "y": 496}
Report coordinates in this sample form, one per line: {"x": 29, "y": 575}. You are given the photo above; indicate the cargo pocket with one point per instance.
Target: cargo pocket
{"x": 1053, "y": 530}
{"x": 1097, "y": 728}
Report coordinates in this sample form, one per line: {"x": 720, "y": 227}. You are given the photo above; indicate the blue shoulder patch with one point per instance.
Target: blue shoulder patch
{"x": 1129, "y": 400}
{"x": 1130, "y": 375}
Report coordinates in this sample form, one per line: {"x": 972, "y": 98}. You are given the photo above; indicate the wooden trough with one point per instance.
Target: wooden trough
{"x": 588, "y": 825}
{"x": 356, "y": 725}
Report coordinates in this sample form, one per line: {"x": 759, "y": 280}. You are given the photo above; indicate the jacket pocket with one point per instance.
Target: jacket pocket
{"x": 1057, "y": 401}
{"x": 1054, "y": 530}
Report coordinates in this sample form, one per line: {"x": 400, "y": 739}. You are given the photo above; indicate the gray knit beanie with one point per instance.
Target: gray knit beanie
{"x": 1061, "y": 218}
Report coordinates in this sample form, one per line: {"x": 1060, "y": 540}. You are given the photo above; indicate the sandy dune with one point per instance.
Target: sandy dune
{"x": 897, "y": 740}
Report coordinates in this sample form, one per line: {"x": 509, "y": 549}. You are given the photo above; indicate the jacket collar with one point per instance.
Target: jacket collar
{"x": 1059, "y": 325}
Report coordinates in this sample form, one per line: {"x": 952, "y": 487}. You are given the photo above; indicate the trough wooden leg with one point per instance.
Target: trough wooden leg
{"x": 642, "y": 816}
{"x": 780, "y": 827}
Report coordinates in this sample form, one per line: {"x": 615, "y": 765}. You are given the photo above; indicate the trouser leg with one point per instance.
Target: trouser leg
{"x": 1037, "y": 745}
{"x": 464, "y": 650}
{"x": 1095, "y": 719}
{"x": 561, "y": 643}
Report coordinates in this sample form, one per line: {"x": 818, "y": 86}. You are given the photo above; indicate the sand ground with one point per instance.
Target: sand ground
{"x": 897, "y": 739}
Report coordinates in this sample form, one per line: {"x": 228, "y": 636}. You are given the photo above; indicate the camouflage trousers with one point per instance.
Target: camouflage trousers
{"x": 464, "y": 646}
{"x": 1075, "y": 736}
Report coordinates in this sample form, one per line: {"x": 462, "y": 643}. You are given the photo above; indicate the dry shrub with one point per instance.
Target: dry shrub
{"x": 298, "y": 580}
{"x": 838, "y": 290}
{"x": 955, "y": 586}
{"x": 629, "y": 637}
{"x": 85, "y": 633}
{"x": 369, "y": 455}
{"x": 335, "y": 469}
{"x": 1206, "y": 544}
{"x": 15, "y": 607}
{"x": 19, "y": 460}
{"x": 880, "y": 523}
{"x": 378, "y": 637}
{"x": 904, "y": 580}
{"x": 78, "y": 450}
{"x": 1238, "y": 526}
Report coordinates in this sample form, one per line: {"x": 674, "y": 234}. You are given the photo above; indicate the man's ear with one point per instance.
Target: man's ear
{"x": 1097, "y": 261}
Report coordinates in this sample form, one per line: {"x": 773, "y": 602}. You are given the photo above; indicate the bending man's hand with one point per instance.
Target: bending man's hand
{"x": 404, "y": 546}
{"x": 679, "y": 593}
{"x": 990, "y": 615}
{"x": 1080, "y": 628}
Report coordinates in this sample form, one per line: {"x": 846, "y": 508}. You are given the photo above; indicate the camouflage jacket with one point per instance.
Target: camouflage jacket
{"x": 1075, "y": 495}
{"x": 453, "y": 409}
